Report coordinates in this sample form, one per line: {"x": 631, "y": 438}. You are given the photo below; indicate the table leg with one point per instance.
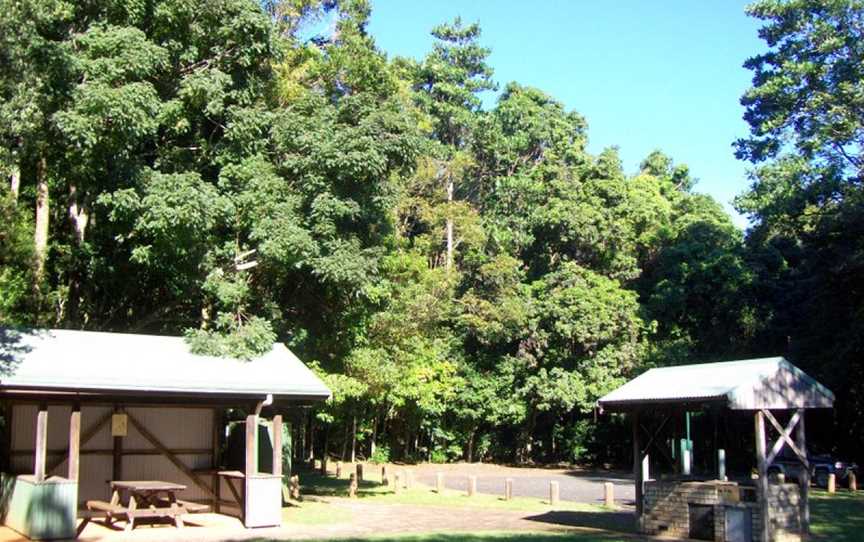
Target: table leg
{"x": 130, "y": 515}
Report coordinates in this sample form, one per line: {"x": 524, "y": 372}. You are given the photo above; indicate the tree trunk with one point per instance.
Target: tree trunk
{"x": 310, "y": 454}
{"x": 78, "y": 215}
{"x": 40, "y": 232}
{"x": 374, "y": 436}
{"x": 15, "y": 183}
{"x": 469, "y": 455}
{"x": 354, "y": 438}
{"x": 449, "y": 223}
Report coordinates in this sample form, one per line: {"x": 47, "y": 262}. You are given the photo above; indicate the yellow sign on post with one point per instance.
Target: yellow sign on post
{"x": 119, "y": 425}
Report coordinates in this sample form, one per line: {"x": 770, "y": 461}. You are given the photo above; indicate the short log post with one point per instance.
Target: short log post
{"x": 472, "y": 485}
{"x": 439, "y": 482}
{"x": 554, "y": 493}
{"x": 508, "y": 489}
{"x": 385, "y": 480}
{"x": 397, "y": 483}
{"x": 41, "y": 443}
{"x": 359, "y": 469}
{"x": 294, "y": 487}
{"x": 853, "y": 481}
{"x": 832, "y": 483}
{"x": 338, "y": 469}
{"x": 352, "y": 485}
{"x": 609, "y": 494}
{"x": 324, "y": 466}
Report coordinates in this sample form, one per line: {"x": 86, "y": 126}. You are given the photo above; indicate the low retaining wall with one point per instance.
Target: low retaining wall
{"x": 732, "y": 510}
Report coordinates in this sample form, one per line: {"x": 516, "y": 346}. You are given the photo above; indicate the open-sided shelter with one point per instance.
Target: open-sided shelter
{"x": 748, "y": 510}
{"x": 83, "y": 408}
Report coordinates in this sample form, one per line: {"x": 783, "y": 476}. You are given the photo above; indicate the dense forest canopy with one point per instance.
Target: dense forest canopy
{"x": 468, "y": 280}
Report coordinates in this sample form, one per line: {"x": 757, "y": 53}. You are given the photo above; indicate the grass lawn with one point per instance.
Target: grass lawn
{"x": 493, "y": 537}
{"x": 838, "y": 517}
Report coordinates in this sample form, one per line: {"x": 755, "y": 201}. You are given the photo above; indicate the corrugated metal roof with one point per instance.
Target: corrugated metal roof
{"x": 98, "y": 362}
{"x": 742, "y": 385}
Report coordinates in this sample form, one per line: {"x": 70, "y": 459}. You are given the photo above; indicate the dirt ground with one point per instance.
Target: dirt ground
{"x": 351, "y": 518}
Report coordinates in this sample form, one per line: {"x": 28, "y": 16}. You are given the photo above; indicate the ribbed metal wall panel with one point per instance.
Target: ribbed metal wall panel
{"x": 175, "y": 428}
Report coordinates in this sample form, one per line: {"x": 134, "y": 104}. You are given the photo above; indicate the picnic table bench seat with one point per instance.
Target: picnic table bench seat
{"x": 107, "y": 507}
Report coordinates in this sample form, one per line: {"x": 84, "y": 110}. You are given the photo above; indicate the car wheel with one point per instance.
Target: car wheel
{"x": 821, "y": 478}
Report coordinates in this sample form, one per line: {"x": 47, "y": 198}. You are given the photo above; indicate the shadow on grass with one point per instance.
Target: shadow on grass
{"x": 313, "y": 483}
{"x": 612, "y": 520}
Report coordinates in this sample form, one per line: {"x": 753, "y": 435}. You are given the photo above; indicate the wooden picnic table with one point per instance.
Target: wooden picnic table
{"x": 145, "y": 499}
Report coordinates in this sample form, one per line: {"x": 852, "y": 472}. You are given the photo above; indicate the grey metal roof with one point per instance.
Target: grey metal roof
{"x": 771, "y": 383}
{"x": 55, "y": 360}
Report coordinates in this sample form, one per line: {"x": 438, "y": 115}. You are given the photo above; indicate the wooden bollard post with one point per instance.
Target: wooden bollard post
{"x": 397, "y": 483}
{"x": 294, "y": 487}
{"x": 554, "y": 493}
{"x": 324, "y": 466}
{"x": 508, "y": 489}
{"x": 609, "y": 494}
{"x": 338, "y": 469}
{"x": 472, "y": 486}
{"x": 832, "y": 483}
{"x": 352, "y": 485}
{"x": 439, "y": 482}
{"x": 385, "y": 480}
{"x": 853, "y": 481}
{"x": 359, "y": 472}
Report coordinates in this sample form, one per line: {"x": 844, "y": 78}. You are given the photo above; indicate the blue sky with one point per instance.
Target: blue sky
{"x": 647, "y": 75}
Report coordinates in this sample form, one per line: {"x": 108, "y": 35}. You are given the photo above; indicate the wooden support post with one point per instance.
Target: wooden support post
{"x": 324, "y": 465}
{"x": 117, "y": 463}
{"x": 853, "y": 481}
{"x": 609, "y": 494}
{"x": 804, "y": 477}
{"x": 508, "y": 489}
{"x": 721, "y": 464}
{"x": 832, "y": 483}
{"x": 472, "y": 485}
{"x": 251, "y": 445}
{"x": 637, "y": 469}
{"x": 41, "y": 443}
{"x": 359, "y": 472}
{"x": 439, "y": 482}
{"x": 554, "y": 493}
{"x": 385, "y": 480}
{"x": 338, "y": 469}
{"x": 277, "y": 445}
{"x": 762, "y": 482}
{"x": 74, "y": 442}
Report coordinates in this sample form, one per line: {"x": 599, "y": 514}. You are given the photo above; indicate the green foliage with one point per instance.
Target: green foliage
{"x": 468, "y": 282}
